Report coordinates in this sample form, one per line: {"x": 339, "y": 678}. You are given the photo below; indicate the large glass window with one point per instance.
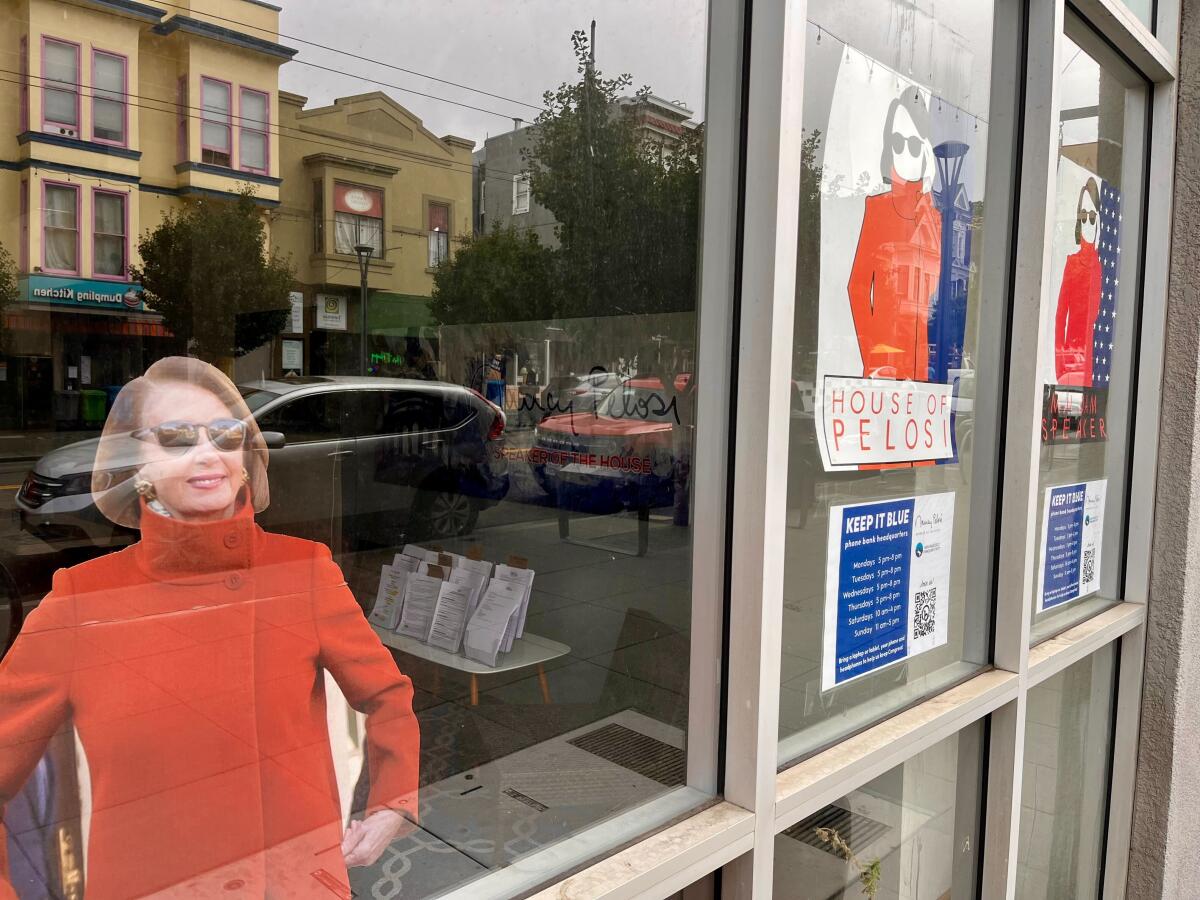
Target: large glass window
{"x": 1091, "y": 312}
{"x": 109, "y": 92}
{"x": 1064, "y": 788}
{"x": 404, "y": 607}
{"x": 886, "y": 596}
{"x": 913, "y": 832}
{"x": 60, "y": 86}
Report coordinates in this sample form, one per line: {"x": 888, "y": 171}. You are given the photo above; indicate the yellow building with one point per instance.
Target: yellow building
{"x": 118, "y": 111}
{"x": 364, "y": 171}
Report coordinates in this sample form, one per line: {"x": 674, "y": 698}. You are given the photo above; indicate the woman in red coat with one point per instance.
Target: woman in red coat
{"x": 1079, "y": 296}
{"x": 191, "y": 668}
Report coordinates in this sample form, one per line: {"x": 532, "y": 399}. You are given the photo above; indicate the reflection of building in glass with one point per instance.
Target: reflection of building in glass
{"x": 124, "y": 112}
{"x": 948, "y": 317}
{"x": 501, "y": 189}
{"x": 364, "y": 171}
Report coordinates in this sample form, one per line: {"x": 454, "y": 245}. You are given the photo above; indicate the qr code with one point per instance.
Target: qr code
{"x": 1089, "y": 565}
{"x": 925, "y": 613}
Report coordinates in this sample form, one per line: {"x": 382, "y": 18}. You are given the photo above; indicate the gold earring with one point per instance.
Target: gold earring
{"x": 145, "y": 488}
{"x": 245, "y": 476}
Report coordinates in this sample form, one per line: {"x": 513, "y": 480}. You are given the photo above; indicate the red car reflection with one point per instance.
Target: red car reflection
{"x": 630, "y": 450}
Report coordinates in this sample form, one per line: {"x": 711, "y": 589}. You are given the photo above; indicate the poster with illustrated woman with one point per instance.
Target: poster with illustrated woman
{"x": 1080, "y": 317}
{"x": 887, "y": 337}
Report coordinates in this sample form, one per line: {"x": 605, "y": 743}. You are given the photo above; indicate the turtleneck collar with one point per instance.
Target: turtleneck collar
{"x": 1087, "y": 249}
{"x": 174, "y": 549}
{"x": 907, "y": 196}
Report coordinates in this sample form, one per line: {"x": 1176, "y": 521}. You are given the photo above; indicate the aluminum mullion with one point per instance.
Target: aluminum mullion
{"x": 709, "y": 474}
{"x": 1129, "y": 34}
{"x": 1051, "y": 657}
{"x": 816, "y": 782}
{"x": 773, "y": 145}
{"x": 1017, "y": 547}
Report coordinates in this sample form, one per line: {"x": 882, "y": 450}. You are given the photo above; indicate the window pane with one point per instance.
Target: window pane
{"x": 254, "y": 108}
{"x": 108, "y": 119}
{"x": 60, "y": 235}
{"x": 1090, "y": 315}
{"x": 916, "y": 828}
{"x": 884, "y": 482}
{"x": 1064, "y": 788}
{"x": 60, "y": 206}
{"x": 461, "y": 427}
{"x": 254, "y": 150}
{"x": 60, "y": 62}
{"x": 109, "y": 74}
{"x": 61, "y": 107}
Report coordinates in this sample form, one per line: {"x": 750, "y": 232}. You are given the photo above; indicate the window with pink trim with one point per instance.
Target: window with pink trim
{"x": 24, "y": 87}
{"x": 182, "y": 104}
{"x": 253, "y": 140}
{"x": 23, "y": 225}
{"x": 216, "y": 122}
{"x": 110, "y": 243}
{"x": 60, "y": 87}
{"x": 109, "y": 109}
{"x": 60, "y": 228}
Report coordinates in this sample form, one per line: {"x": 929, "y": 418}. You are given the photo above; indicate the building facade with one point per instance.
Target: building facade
{"x": 123, "y": 111}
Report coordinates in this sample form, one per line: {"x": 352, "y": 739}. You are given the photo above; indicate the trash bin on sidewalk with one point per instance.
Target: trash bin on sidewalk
{"x": 66, "y": 409}
{"x": 111, "y": 392}
{"x": 93, "y": 408}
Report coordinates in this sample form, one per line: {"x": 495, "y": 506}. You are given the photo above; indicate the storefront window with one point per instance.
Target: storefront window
{"x": 1064, "y": 788}
{"x": 1091, "y": 314}
{"x": 884, "y": 473}
{"x": 346, "y": 572}
{"x": 216, "y": 130}
{"x": 913, "y": 832}
{"x": 108, "y": 97}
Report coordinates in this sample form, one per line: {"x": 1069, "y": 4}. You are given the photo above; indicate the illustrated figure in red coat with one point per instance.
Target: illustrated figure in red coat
{"x": 191, "y": 666}
{"x": 1079, "y": 295}
{"x": 898, "y": 261}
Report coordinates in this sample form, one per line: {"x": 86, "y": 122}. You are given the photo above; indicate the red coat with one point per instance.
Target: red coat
{"x": 894, "y": 278}
{"x": 1075, "y": 318}
{"x": 190, "y": 665}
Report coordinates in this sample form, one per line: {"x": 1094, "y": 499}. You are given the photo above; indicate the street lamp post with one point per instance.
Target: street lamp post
{"x": 363, "y": 252}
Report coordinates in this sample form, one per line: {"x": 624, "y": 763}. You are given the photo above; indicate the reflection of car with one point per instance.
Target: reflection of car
{"x": 386, "y": 456}
{"x": 621, "y": 453}
{"x": 577, "y": 393}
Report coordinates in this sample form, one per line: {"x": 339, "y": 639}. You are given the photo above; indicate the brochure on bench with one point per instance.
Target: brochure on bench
{"x": 390, "y": 600}
{"x": 450, "y": 616}
{"x": 523, "y": 579}
{"x": 420, "y": 598}
{"x": 488, "y": 627}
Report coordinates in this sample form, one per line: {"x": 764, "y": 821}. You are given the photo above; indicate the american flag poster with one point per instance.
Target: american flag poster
{"x": 1080, "y": 319}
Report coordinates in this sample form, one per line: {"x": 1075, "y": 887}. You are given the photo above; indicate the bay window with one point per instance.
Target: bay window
{"x": 60, "y": 229}
{"x": 60, "y": 87}
{"x": 252, "y": 138}
{"x": 109, "y": 256}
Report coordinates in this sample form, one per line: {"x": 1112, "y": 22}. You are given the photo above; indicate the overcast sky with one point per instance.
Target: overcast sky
{"x": 517, "y": 49}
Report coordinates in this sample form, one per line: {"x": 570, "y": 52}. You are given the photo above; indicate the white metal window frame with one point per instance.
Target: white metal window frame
{"x": 759, "y": 802}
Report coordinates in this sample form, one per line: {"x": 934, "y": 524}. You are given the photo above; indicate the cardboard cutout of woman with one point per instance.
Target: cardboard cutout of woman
{"x": 1079, "y": 295}
{"x": 898, "y": 262}
{"x": 191, "y": 666}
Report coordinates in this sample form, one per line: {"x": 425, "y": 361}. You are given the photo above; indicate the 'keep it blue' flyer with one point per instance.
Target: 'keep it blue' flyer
{"x": 887, "y": 584}
{"x": 1072, "y": 529}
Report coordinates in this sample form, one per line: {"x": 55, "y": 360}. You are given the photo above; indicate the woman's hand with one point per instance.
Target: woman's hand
{"x": 366, "y": 839}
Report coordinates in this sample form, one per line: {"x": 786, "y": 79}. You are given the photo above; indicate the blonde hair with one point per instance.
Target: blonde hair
{"x": 118, "y": 453}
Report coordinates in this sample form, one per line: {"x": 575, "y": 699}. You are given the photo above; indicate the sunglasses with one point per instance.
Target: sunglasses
{"x": 915, "y": 143}
{"x": 1087, "y": 218}
{"x": 226, "y": 435}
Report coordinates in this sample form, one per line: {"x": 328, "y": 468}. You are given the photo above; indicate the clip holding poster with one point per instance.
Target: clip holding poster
{"x": 887, "y": 584}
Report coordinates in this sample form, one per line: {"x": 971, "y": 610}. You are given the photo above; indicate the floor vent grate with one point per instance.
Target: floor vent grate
{"x": 856, "y": 830}
{"x": 640, "y": 753}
